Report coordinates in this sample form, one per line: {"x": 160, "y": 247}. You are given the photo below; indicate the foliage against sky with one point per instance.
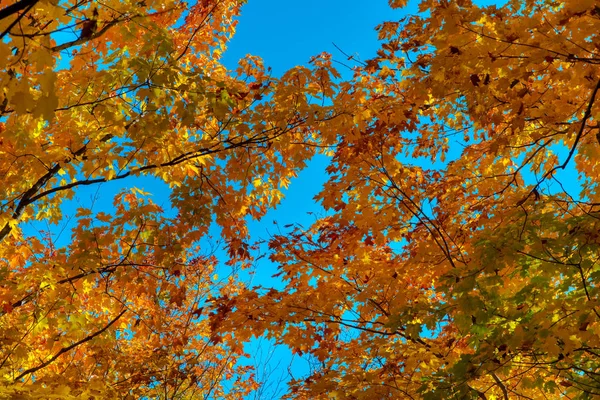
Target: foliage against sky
{"x": 452, "y": 263}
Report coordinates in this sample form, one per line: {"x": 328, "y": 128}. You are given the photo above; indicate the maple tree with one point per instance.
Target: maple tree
{"x": 97, "y": 92}
{"x": 452, "y": 261}
{"x": 459, "y": 254}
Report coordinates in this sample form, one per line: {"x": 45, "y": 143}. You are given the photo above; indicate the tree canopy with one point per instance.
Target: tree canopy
{"x": 458, "y": 257}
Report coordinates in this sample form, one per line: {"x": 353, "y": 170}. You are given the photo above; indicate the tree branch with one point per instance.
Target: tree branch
{"x": 29, "y": 196}
{"x": 16, "y": 7}
{"x": 82, "y": 40}
{"x": 28, "y": 5}
{"x": 68, "y": 348}
{"x": 586, "y": 116}
{"x": 500, "y": 385}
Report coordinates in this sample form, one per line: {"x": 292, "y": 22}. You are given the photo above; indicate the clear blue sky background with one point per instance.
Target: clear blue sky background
{"x": 286, "y": 34}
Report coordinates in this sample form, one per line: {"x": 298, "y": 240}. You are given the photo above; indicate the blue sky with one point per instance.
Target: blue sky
{"x": 286, "y": 34}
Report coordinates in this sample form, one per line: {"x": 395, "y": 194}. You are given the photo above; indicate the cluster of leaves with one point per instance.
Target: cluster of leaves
{"x": 452, "y": 262}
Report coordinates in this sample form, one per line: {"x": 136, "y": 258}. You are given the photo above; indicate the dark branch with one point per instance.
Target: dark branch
{"x": 500, "y": 385}
{"x": 27, "y": 4}
{"x": 68, "y": 348}
{"x": 16, "y": 7}
{"x": 586, "y": 116}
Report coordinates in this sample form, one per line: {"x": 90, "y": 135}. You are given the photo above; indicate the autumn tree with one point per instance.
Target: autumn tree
{"x": 458, "y": 257}
{"x": 108, "y": 92}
